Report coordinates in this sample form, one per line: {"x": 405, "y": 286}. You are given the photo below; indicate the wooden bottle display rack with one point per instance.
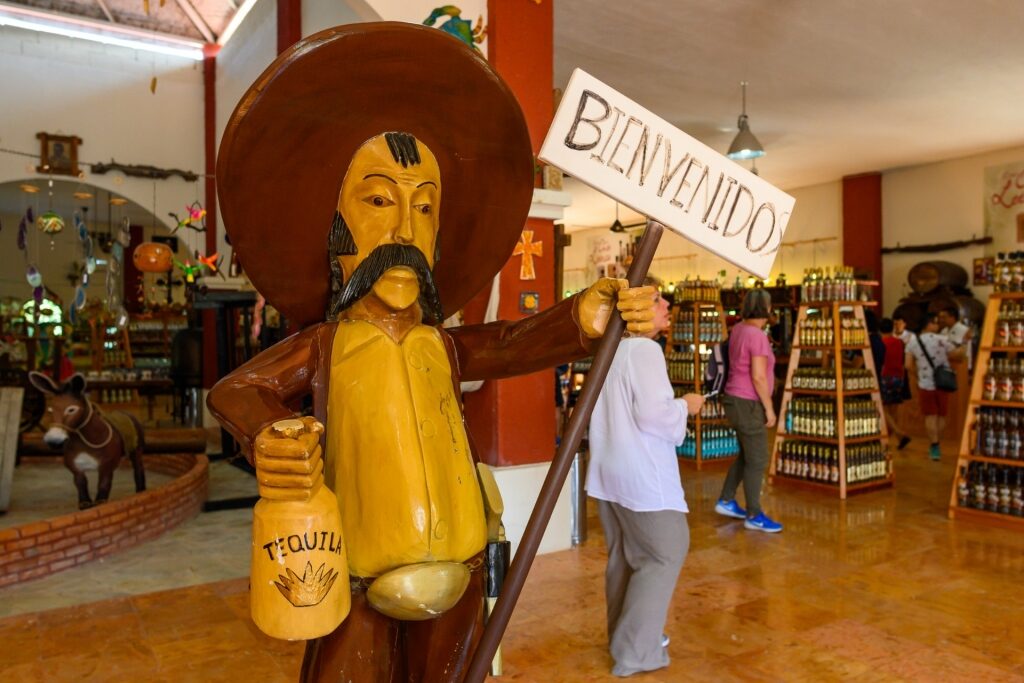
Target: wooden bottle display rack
{"x": 840, "y": 441}
{"x": 695, "y": 423}
{"x": 968, "y": 439}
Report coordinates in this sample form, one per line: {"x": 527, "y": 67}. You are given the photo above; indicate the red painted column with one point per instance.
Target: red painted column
{"x": 513, "y": 421}
{"x": 862, "y": 225}
{"x": 210, "y": 152}
{"x": 289, "y": 23}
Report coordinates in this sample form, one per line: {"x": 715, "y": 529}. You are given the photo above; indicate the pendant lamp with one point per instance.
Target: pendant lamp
{"x": 744, "y": 145}
{"x": 617, "y": 226}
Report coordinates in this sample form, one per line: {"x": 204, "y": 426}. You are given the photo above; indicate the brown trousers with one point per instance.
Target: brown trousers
{"x": 369, "y": 647}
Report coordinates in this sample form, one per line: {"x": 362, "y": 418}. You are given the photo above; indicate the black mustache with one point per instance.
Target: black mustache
{"x": 382, "y": 259}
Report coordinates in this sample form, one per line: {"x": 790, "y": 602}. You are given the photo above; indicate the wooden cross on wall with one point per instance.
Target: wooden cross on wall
{"x": 527, "y": 248}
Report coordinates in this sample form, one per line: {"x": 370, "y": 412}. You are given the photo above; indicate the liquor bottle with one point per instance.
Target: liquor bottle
{"x": 1016, "y": 318}
{"x": 1005, "y": 495}
{"x": 962, "y": 488}
{"x": 992, "y": 489}
{"x": 1004, "y": 388}
{"x": 1017, "y": 493}
{"x": 309, "y": 574}
{"x": 976, "y": 481}
{"x": 988, "y": 391}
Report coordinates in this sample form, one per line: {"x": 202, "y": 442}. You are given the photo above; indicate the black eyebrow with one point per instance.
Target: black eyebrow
{"x": 427, "y": 182}
{"x": 380, "y": 175}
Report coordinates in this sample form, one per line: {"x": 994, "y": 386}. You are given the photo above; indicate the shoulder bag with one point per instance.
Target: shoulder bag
{"x": 945, "y": 378}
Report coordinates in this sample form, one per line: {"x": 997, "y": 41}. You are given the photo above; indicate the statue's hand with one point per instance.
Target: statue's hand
{"x": 635, "y": 305}
{"x": 289, "y": 460}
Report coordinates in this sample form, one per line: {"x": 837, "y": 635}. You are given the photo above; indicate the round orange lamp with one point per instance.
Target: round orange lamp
{"x": 153, "y": 257}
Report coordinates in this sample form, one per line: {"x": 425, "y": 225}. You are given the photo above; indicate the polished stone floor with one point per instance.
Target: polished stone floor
{"x": 879, "y": 588}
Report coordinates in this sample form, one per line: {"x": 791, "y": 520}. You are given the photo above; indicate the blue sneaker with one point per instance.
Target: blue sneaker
{"x": 730, "y": 508}
{"x": 933, "y": 452}
{"x": 762, "y": 523}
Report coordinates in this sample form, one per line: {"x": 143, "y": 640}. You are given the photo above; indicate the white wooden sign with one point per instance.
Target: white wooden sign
{"x": 621, "y": 149}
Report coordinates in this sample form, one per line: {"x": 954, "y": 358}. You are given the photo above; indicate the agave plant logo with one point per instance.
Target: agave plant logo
{"x": 310, "y": 588}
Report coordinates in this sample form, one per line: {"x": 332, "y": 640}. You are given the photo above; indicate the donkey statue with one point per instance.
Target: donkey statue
{"x": 91, "y": 440}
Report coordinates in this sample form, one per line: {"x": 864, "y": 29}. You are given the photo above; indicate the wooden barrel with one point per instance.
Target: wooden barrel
{"x": 967, "y": 307}
{"x": 929, "y": 275}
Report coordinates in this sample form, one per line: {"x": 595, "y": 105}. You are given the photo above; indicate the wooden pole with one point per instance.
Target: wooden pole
{"x": 527, "y": 551}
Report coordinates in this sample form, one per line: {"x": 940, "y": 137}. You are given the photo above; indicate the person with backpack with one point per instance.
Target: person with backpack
{"x": 748, "y": 405}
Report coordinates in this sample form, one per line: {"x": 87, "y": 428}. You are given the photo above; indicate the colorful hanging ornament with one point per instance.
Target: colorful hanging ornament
{"x": 212, "y": 262}
{"x": 195, "y": 218}
{"x": 153, "y": 257}
{"x": 124, "y": 235}
{"x": 190, "y": 271}
{"x": 88, "y": 263}
{"x": 23, "y": 233}
{"x": 50, "y": 222}
{"x": 34, "y": 277}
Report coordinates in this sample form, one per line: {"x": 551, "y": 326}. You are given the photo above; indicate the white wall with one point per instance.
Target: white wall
{"x": 102, "y": 94}
{"x": 254, "y": 47}
{"x": 318, "y": 15}
{"x": 940, "y": 202}
{"x": 251, "y": 50}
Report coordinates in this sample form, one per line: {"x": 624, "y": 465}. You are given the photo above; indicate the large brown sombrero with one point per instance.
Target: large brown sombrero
{"x": 291, "y": 137}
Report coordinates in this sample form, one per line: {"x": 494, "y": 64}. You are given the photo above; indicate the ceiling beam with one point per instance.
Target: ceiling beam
{"x": 106, "y": 10}
{"x": 73, "y": 26}
{"x": 197, "y": 20}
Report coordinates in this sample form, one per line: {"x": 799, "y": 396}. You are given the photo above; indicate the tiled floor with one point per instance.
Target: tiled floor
{"x": 879, "y": 588}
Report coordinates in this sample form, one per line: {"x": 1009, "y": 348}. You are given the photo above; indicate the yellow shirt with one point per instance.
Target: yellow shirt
{"x": 397, "y": 453}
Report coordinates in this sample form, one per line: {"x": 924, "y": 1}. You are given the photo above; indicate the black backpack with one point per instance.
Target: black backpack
{"x": 717, "y": 370}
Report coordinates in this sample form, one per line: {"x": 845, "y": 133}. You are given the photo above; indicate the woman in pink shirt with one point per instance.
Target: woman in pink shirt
{"x": 748, "y": 405}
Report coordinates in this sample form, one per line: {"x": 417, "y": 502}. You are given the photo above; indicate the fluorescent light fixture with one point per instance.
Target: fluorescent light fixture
{"x": 236, "y": 20}
{"x": 99, "y": 32}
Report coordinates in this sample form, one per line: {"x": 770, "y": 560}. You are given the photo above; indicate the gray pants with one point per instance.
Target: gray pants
{"x": 747, "y": 418}
{"x": 646, "y": 550}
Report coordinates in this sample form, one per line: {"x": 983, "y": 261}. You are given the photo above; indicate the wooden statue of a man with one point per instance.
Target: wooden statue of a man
{"x": 434, "y": 165}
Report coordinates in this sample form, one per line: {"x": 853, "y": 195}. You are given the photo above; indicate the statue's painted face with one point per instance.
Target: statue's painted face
{"x": 391, "y": 195}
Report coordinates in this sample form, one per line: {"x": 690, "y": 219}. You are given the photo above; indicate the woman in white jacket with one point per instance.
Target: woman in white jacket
{"x": 634, "y": 475}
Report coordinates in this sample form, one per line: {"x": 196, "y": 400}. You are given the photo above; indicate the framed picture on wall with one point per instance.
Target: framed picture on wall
{"x": 984, "y": 271}
{"x": 58, "y": 154}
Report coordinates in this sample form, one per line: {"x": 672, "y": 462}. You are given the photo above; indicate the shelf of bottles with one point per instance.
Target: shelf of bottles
{"x": 816, "y": 416}
{"x": 697, "y": 291}
{"x": 989, "y": 488}
{"x": 815, "y": 462}
{"x": 818, "y": 331}
{"x": 717, "y": 440}
{"x": 698, "y": 323}
{"x": 824, "y": 380}
{"x": 832, "y": 434}
{"x": 834, "y": 284}
{"x": 988, "y": 484}
{"x": 683, "y": 365}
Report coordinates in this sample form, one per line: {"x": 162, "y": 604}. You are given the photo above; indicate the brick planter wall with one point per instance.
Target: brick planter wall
{"x": 41, "y": 548}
